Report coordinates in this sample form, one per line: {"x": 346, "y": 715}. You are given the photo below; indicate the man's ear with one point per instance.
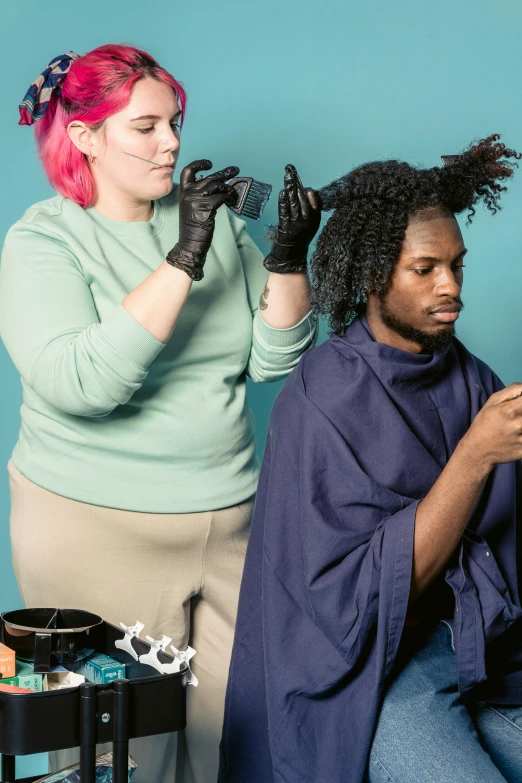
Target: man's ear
{"x": 83, "y": 138}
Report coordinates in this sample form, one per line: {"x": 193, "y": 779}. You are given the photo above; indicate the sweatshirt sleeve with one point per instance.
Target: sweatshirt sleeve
{"x": 274, "y": 352}
{"x": 50, "y": 327}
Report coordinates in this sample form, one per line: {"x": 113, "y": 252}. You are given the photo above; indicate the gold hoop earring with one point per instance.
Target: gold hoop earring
{"x": 91, "y": 160}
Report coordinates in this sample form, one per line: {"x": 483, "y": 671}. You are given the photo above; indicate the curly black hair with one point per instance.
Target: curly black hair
{"x": 361, "y": 242}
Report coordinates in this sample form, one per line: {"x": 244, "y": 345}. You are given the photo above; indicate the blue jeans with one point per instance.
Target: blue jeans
{"x": 426, "y": 733}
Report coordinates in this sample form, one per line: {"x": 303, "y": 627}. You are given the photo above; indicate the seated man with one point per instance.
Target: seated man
{"x": 380, "y": 616}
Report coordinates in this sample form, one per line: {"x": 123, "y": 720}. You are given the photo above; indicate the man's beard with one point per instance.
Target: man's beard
{"x": 438, "y": 341}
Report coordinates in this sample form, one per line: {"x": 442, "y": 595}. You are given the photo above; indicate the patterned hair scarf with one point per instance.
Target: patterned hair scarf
{"x": 49, "y": 83}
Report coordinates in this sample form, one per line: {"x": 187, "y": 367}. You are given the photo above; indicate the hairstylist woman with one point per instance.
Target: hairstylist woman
{"x": 133, "y": 476}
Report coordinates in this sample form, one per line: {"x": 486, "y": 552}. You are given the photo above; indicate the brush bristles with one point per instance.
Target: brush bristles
{"x": 256, "y": 199}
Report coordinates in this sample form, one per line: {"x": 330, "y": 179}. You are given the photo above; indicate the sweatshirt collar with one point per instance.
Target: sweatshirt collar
{"x": 122, "y": 228}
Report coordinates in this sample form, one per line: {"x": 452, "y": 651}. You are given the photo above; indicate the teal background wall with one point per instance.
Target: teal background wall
{"x": 326, "y": 85}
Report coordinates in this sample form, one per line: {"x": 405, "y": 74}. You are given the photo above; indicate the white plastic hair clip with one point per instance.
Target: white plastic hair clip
{"x": 131, "y": 632}
{"x": 181, "y": 657}
{"x": 156, "y": 646}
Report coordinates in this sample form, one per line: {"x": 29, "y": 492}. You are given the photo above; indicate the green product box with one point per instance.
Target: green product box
{"x": 101, "y": 669}
{"x": 10, "y": 681}
{"x": 27, "y": 677}
{"x": 24, "y": 667}
{"x": 33, "y": 682}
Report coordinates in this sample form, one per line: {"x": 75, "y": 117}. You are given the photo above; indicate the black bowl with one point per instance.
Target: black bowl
{"x": 47, "y": 637}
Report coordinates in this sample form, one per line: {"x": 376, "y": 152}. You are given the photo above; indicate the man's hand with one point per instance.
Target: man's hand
{"x": 495, "y": 436}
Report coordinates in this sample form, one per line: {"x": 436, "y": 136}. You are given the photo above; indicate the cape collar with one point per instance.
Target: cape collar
{"x": 390, "y": 364}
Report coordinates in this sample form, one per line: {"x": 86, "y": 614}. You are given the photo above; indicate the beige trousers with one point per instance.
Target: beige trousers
{"x": 177, "y": 573}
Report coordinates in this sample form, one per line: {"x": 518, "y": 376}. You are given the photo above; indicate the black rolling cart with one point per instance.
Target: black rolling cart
{"x": 143, "y": 704}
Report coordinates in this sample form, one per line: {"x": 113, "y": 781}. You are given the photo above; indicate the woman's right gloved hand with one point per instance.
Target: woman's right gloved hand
{"x": 199, "y": 200}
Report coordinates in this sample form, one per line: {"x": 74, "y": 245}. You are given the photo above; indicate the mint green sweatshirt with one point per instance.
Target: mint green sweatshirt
{"x": 112, "y": 416}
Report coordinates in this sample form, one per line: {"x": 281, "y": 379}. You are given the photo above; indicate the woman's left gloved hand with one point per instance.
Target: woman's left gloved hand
{"x": 299, "y": 219}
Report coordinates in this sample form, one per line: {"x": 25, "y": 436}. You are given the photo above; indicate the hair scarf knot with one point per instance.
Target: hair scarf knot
{"x": 47, "y": 84}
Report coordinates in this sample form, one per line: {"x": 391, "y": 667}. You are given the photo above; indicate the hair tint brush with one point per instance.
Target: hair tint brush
{"x": 251, "y": 196}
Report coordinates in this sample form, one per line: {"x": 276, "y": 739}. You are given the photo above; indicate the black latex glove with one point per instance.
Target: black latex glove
{"x": 199, "y": 200}
{"x": 298, "y": 224}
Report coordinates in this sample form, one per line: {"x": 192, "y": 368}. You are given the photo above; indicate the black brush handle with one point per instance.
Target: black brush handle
{"x": 241, "y": 186}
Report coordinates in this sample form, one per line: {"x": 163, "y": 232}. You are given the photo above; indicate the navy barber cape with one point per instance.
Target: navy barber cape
{"x": 358, "y": 436}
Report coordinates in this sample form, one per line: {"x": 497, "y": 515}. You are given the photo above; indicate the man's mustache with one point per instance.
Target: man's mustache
{"x": 453, "y": 303}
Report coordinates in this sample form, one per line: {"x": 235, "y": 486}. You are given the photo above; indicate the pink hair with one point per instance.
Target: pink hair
{"x": 98, "y": 84}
